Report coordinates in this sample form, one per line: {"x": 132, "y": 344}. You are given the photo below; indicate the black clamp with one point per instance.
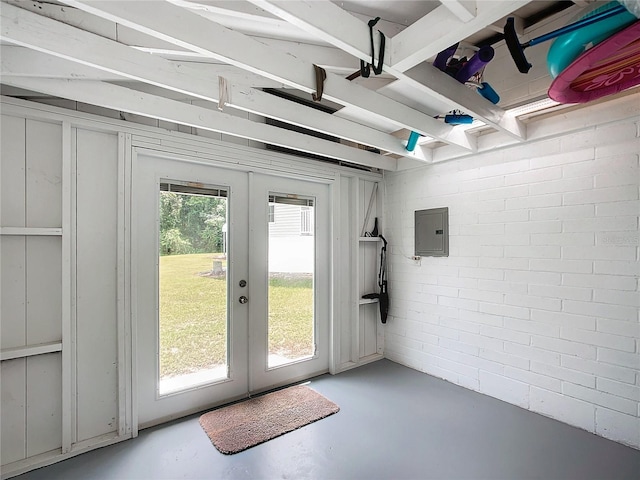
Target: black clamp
{"x": 365, "y": 68}
{"x": 321, "y": 76}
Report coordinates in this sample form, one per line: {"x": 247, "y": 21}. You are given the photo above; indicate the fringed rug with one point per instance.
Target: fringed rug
{"x": 237, "y": 427}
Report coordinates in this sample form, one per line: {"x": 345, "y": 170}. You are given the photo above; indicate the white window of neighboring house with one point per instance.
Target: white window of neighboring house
{"x": 306, "y": 221}
{"x": 272, "y": 214}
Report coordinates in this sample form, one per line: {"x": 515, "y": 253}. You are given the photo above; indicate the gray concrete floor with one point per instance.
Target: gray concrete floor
{"x": 394, "y": 423}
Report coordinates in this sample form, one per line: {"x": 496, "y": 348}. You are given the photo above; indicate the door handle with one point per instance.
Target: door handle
{"x": 243, "y": 299}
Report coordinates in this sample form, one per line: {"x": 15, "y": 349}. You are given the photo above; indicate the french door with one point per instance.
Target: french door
{"x": 231, "y": 286}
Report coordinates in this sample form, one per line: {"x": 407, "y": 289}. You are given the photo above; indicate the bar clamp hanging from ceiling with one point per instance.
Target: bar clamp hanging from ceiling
{"x": 321, "y": 76}
{"x": 365, "y": 68}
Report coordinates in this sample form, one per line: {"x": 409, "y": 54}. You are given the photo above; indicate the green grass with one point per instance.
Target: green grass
{"x": 291, "y": 317}
{"x": 193, "y": 308}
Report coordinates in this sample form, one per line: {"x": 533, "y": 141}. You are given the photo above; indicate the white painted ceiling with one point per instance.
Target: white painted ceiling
{"x": 260, "y": 44}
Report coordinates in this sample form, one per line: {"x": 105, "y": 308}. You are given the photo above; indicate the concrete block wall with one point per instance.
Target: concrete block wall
{"x": 537, "y": 303}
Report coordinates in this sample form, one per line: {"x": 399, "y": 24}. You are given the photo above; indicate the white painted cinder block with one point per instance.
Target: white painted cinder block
{"x": 532, "y": 353}
{"x": 600, "y": 398}
{"x": 573, "y": 411}
{"x": 600, "y": 369}
{"x": 618, "y": 426}
{"x": 537, "y": 303}
{"x": 616, "y": 357}
{"x": 504, "y": 388}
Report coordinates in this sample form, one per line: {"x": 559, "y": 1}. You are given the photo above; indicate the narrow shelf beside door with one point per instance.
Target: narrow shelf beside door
{"x": 366, "y": 301}
{"x": 369, "y": 239}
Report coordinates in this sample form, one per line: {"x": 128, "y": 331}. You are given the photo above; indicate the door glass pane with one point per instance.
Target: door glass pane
{"x": 193, "y": 331}
{"x": 291, "y": 279}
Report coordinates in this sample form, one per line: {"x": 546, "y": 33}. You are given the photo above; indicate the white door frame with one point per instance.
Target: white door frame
{"x": 261, "y": 377}
{"x": 148, "y": 172}
{"x": 206, "y": 163}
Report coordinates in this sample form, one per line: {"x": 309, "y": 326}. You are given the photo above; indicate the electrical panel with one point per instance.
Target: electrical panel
{"x": 432, "y": 232}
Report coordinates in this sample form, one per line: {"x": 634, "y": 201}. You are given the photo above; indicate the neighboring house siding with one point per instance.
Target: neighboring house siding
{"x": 286, "y": 221}
{"x": 290, "y": 250}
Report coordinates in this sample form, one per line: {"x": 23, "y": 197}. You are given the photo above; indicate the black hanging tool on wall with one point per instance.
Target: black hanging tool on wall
{"x": 383, "y": 298}
{"x": 365, "y": 68}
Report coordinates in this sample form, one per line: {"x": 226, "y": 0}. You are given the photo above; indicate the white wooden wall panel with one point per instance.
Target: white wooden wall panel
{"x": 13, "y": 278}
{"x": 13, "y": 411}
{"x": 32, "y": 388}
{"x": 44, "y": 289}
{"x": 368, "y": 270}
{"x": 369, "y": 252}
{"x": 44, "y": 403}
{"x": 368, "y": 325}
{"x": 345, "y": 316}
{"x": 44, "y": 174}
{"x": 96, "y": 333}
{"x": 12, "y": 171}
{"x": 366, "y": 187}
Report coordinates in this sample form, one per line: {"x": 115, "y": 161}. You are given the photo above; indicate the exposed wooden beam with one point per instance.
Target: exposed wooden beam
{"x": 188, "y": 30}
{"x": 328, "y": 21}
{"x": 131, "y": 101}
{"x": 24, "y": 62}
{"x": 346, "y": 32}
{"x": 440, "y": 29}
{"x": 465, "y": 10}
{"x": 211, "y": 68}
{"x": 329, "y": 58}
{"x": 427, "y": 78}
{"x": 247, "y": 18}
{"x": 55, "y": 38}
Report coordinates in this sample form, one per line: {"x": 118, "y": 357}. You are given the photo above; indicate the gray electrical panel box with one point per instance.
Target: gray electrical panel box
{"x": 432, "y": 232}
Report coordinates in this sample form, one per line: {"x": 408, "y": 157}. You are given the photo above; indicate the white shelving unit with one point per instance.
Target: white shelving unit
{"x": 369, "y": 327}
{"x": 25, "y": 351}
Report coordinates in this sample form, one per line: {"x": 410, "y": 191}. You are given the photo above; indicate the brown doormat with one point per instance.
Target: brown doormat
{"x": 243, "y": 425}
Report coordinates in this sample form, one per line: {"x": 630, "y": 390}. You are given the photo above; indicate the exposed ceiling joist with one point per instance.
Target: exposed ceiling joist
{"x": 328, "y": 22}
{"x": 465, "y": 10}
{"x": 152, "y": 106}
{"x": 440, "y": 29}
{"x": 247, "y": 18}
{"x": 69, "y": 43}
{"x": 327, "y": 57}
{"x": 462, "y": 98}
{"x": 188, "y": 30}
{"x": 346, "y": 32}
{"x": 24, "y": 62}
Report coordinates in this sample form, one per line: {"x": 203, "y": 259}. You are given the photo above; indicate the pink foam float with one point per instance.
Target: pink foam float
{"x": 610, "y": 67}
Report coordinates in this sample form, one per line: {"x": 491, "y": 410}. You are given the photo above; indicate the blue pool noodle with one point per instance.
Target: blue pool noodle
{"x": 458, "y": 119}
{"x": 489, "y": 93}
{"x": 413, "y": 141}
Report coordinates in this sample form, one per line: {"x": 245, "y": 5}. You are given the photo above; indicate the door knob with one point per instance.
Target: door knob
{"x": 243, "y": 299}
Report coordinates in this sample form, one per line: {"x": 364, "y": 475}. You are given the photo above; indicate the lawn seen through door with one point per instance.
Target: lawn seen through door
{"x": 193, "y": 331}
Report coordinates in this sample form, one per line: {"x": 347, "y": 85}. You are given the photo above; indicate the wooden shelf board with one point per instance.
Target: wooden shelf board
{"x": 30, "y": 350}
{"x": 366, "y": 301}
{"x": 27, "y": 231}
